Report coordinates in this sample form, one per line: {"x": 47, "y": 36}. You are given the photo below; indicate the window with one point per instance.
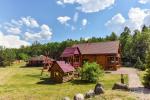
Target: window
{"x": 56, "y": 74}
{"x": 111, "y": 59}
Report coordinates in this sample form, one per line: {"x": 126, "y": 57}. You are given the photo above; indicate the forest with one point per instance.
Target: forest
{"x": 134, "y": 48}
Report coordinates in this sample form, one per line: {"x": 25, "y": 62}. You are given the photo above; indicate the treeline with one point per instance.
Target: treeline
{"x": 51, "y": 49}
{"x": 134, "y": 47}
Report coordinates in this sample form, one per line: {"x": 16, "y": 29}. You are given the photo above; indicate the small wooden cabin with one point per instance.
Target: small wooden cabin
{"x": 39, "y": 61}
{"x": 62, "y": 71}
{"x": 106, "y": 54}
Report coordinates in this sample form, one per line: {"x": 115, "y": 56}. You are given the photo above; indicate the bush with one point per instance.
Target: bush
{"x": 139, "y": 64}
{"x": 147, "y": 72}
{"x": 147, "y": 78}
{"x": 91, "y": 72}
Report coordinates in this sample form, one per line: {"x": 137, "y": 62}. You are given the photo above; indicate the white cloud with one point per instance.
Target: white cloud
{"x": 30, "y": 29}
{"x": 11, "y": 41}
{"x": 14, "y": 30}
{"x": 32, "y": 36}
{"x": 89, "y": 6}
{"x": 116, "y": 23}
{"x": 75, "y": 17}
{"x": 29, "y": 22}
{"x": 144, "y": 1}
{"x": 84, "y": 22}
{"x": 44, "y": 34}
{"x": 16, "y": 23}
{"x": 59, "y": 3}
{"x": 136, "y": 19}
{"x": 63, "y": 19}
{"x": 68, "y": 1}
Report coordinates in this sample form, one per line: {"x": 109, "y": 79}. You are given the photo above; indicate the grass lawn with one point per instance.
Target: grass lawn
{"x": 27, "y": 84}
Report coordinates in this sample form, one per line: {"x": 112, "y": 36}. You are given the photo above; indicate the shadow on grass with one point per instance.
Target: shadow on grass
{"x": 140, "y": 90}
{"x": 24, "y": 66}
{"x": 81, "y": 82}
{"x": 46, "y": 81}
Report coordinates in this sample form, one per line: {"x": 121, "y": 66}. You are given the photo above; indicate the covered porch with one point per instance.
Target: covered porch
{"x": 74, "y": 60}
{"x": 113, "y": 62}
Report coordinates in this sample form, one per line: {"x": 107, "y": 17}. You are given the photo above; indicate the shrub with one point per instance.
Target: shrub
{"x": 147, "y": 72}
{"x": 139, "y": 64}
{"x": 147, "y": 78}
{"x": 91, "y": 72}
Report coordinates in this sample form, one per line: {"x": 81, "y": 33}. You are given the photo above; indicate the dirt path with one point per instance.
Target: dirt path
{"x": 134, "y": 81}
{"x": 135, "y": 84}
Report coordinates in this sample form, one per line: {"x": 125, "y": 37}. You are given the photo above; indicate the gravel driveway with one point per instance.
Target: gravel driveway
{"x": 135, "y": 84}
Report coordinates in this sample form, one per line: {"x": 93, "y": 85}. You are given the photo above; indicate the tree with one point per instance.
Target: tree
{"x": 23, "y": 56}
{"x": 147, "y": 72}
{"x": 112, "y": 37}
{"x": 91, "y": 72}
{"x": 139, "y": 64}
{"x": 126, "y": 45}
{"x": 144, "y": 28}
{"x": 7, "y": 56}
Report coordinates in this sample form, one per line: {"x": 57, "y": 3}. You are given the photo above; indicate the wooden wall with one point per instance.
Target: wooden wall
{"x": 100, "y": 59}
{"x": 56, "y": 69}
{"x": 61, "y": 76}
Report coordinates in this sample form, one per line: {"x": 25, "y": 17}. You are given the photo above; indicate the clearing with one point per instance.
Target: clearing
{"x": 20, "y": 83}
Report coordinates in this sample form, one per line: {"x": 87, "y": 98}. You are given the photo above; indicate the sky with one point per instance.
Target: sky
{"x": 23, "y": 22}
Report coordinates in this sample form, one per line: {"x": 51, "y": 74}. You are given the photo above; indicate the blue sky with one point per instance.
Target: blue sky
{"x": 24, "y": 21}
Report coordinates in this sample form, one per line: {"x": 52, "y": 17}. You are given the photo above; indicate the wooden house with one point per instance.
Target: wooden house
{"x": 39, "y": 61}
{"x": 62, "y": 71}
{"x": 106, "y": 54}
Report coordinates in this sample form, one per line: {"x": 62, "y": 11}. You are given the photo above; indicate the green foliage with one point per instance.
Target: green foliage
{"x": 91, "y": 72}
{"x": 7, "y": 56}
{"x": 139, "y": 64}
{"x": 23, "y": 56}
{"x": 147, "y": 78}
{"x": 112, "y": 37}
{"x": 134, "y": 46}
{"x": 126, "y": 44}
{"x": 147, "y": 72}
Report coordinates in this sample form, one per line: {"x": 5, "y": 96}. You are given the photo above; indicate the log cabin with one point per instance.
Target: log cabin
{"x": 106, "y": 54}
{"x": 39, "y": 61}
{"x": 62, "y": 71}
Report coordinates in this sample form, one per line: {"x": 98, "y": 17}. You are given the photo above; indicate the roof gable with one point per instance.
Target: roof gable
{"x": 65, "y": 67}
{"x": 111, "y": 47}
{"x": 70, "y": 51}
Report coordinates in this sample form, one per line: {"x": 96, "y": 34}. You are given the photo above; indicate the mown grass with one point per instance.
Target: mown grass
{"x": 27, "y": 84}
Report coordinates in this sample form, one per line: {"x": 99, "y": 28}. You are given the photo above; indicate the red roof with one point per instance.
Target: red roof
{"x": 65, "y": 66}
{"x": 41, "y": 58}
{"x": 111, "y": 47}
{"x": 70, "y": 51}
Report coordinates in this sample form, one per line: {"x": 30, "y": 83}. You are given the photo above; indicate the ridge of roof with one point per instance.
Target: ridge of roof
{"x": 107, "y": 47}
